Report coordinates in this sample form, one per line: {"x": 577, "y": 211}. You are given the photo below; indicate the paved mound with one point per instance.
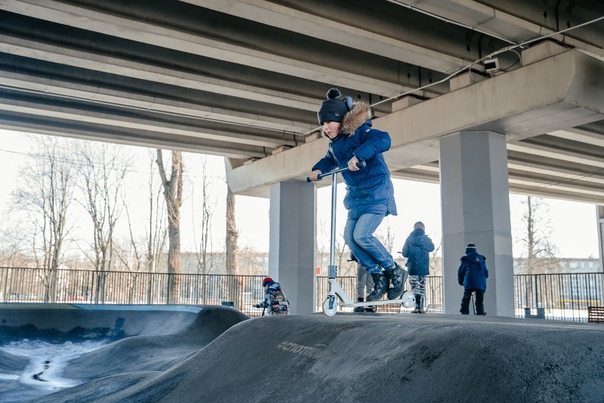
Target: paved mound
{"x": 373, "y": 358}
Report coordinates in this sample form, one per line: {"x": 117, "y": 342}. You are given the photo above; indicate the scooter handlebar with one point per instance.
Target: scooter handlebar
{"x": 360, "y": 164}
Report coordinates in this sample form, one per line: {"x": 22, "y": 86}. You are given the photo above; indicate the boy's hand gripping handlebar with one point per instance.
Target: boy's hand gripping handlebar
{"x": 360, "y": 164}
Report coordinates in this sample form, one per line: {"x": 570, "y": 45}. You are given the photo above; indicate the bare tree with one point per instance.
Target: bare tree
{"x": 322, "y": 258}
{"x": 232, "y": 235}
{"x": 156, "y": 231}
{"x": 173, "y": 196}
{"x": 232, "y": 248}
{"x": 341, "y": 252}
{"x": 131, "y": 258}
{"x": 45, "y": 193}
{"x": 252, "y": 262}
{"x": 386, "y": 237}
{"x": 143, "y": 253}
{"x": 536, "y": 239}
{"x": 203, "y": 248}
{"x": 436, "y": 268}
{"x": 104, "y": 168}
{"x": 12, "y": 242}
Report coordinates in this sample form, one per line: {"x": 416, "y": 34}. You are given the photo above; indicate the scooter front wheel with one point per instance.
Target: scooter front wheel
{"x": 408, "y": 299}
{"x": 329, "y": 308}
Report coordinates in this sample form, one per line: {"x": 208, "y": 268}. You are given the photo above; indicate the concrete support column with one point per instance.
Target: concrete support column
{"x": 600, "y": 218}
{"x": 600, "y": 221}
{"x": 293, "y": 243}
{"x": 476, "y": 208}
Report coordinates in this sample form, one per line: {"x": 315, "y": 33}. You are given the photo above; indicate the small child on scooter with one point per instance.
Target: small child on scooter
{"x": 369, "y": 190}
{"x": 274, "y": 298}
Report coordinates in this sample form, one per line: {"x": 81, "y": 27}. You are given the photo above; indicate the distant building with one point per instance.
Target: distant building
{"x": 556, "y": 265}
{"x": 588, "y": 265}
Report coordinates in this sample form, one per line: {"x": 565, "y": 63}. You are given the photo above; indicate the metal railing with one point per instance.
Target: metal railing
{"x": 557, "y": 296}
{"x": 553, "y": 296}
{"x": 114, "y": 287}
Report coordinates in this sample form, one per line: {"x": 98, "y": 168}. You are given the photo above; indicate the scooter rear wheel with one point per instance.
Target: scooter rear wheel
{"x": 407, "y": 299}
{"x": 330, "y": 311}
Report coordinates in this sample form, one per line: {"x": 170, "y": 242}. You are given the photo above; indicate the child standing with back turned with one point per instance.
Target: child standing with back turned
{"x": 416, "y": 249}
{"x": 472, "y": 275}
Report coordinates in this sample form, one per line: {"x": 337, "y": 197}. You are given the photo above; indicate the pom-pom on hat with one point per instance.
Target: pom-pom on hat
{"x": 333, "y": 109}
{"x": 470, "y": 248}
{"x": 267, "y": 280}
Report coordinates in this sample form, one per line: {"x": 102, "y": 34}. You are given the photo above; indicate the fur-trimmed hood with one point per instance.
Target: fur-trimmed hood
{"x": 368, "y": 190}
{"x": 358, "y": 115}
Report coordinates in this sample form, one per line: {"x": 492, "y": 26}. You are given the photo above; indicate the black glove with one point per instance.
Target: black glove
{"x": 257, "y": 306}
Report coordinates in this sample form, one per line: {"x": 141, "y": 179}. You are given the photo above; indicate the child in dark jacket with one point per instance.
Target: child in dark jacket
{"x": 274, "y": 298}
{"x": 416, "y": 249}
{"x": 369, "y": 190}
{"x": 472, "y": 275}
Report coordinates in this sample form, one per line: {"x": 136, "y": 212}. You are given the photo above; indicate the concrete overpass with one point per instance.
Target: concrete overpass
{"x": 243, "y": 79}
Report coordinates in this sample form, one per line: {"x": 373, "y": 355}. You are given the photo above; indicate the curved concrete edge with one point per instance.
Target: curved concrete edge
{"x": 87, "y": 321}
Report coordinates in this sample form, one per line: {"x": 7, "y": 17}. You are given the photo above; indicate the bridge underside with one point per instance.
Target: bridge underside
{"x": 243, "y": 79}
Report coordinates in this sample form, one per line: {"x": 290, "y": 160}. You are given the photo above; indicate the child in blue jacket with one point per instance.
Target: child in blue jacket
{"x": 369, "y": 191}
{"x": 472, "y": 275}
{"x": 416, "y": 249}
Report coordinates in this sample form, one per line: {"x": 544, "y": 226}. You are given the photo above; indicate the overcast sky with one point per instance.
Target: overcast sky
{"x": 574, "y": 224}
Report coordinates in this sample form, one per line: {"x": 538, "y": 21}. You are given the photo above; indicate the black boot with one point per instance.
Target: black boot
{"x": 359, "y": 308}
{"x": 397, "y": 277}
{"x": 379, "y": 287}
{"x": 465, "y": 302}
{"x": 417, "y": 304}
{"x": 422, "y": 308}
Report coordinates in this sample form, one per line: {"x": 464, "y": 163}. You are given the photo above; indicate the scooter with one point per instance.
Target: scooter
{"x": 331, "y": 303}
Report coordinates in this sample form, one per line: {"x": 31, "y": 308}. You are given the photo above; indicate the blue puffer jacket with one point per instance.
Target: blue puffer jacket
{"x": 416, "y": 249}
{"x": 472, "y": 272}
{"x": 368, "y": 190}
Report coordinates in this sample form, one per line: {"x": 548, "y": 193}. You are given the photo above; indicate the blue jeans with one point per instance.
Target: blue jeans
{"x": 358, "y": 234}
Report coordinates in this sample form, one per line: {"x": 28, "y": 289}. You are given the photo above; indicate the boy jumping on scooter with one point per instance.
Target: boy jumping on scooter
{"x": 369, "y": 191}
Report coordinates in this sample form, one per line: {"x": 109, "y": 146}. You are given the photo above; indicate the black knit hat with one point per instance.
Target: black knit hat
{"x": 333, "y": 109}
{"x": 470, "y": 248}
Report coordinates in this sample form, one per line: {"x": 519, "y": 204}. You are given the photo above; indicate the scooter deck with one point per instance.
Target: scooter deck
{"x": 330, "y": 305}
{"x": 406, "y": 299}
{"x": 378, "y": 302}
